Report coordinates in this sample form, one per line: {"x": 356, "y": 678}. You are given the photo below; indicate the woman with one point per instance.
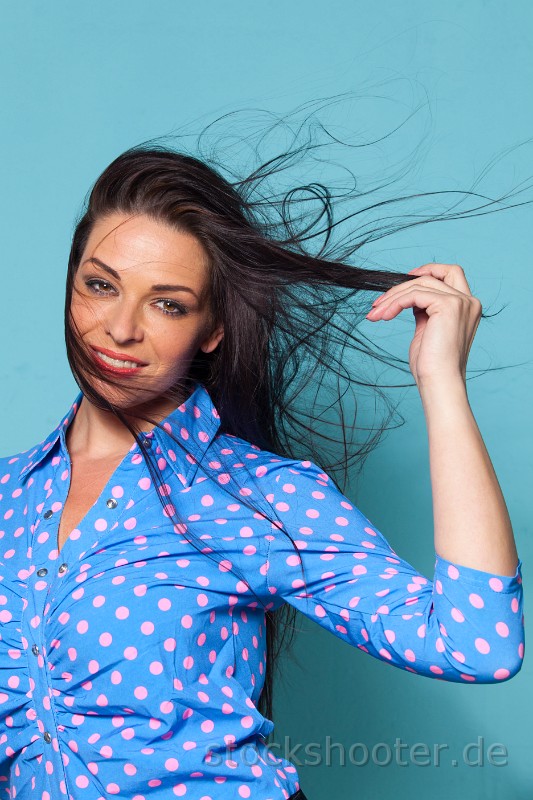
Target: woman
{"x": 152, "y": 539}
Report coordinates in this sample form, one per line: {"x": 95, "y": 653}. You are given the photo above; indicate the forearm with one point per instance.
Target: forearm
{"x": 471, "y": 521}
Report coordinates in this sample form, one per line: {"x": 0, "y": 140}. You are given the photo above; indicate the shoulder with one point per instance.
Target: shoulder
{"x": 269, "y": 471}
{"x": 16, "y": 465}
{"x": 21, "y": 464}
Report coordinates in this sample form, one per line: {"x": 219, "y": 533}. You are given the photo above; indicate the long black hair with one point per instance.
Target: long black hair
{"x": 290, "y": 294}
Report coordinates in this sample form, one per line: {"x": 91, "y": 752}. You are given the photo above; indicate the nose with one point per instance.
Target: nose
{"x": 123, "y": 323}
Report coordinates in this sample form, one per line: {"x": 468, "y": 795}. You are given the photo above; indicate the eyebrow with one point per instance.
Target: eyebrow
{"x": 158, "y": 287}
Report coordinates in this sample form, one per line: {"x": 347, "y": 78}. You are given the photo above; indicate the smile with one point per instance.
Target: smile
{"x": 115, "y": 362}
{"x": 123, "y": 366}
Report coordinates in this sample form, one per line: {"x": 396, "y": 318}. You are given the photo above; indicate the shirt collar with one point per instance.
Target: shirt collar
{"x": 194, "y": 423}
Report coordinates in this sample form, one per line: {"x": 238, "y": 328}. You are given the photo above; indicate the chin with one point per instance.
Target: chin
{"x": 157, "y": 400}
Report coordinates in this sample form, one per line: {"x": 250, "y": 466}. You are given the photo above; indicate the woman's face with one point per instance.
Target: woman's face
{"x": 139, "y": 305}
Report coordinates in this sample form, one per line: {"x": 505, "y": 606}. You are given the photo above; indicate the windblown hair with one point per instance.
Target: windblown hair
{"x": 283, "y": 285}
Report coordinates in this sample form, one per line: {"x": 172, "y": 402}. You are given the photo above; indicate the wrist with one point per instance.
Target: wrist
{"x": 445, "y": 392}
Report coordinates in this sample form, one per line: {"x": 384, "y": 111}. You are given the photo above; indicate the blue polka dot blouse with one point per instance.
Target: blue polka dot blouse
{"x": 131, "y": 661}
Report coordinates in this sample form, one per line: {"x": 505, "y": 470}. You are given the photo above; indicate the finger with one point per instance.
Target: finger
{"x": 418, "y": 296}
{"x": 451, "y": 274}
{"x": 426, "y": 280}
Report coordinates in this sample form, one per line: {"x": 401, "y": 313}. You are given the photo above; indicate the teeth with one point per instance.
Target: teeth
{"x": 115, "y": 362}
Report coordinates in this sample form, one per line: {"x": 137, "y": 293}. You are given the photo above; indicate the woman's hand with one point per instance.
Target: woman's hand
{"x": 446, "y": 315}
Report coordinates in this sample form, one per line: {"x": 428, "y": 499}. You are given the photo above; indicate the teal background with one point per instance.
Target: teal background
{"x": 81, "y": 82}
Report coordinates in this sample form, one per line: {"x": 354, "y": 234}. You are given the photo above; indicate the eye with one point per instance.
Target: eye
{"x": 98, "y": 286}
{"x": 172, "y": 308}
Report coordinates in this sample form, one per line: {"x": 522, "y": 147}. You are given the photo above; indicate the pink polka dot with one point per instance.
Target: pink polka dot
{"x": 459, "y": 656}
{"x": 147, "y": 628}
{"x": 501, "y": 674}
{"x": 476, "y": 600}
{"x": 171, "y": 764}
{"x": 130, "y": 653}
{"x": 482, "y": 645}
{"x": 164, "y": 604}
{"x": 105, "y": 639}
{"x": 100, "y": 525}
{"x": 495, "y": 584}
{"x": 186, "y": 621}
{"x": 82, "y": 781}
{"x": 502, "y": 629}
{"x": 453, "y": 572}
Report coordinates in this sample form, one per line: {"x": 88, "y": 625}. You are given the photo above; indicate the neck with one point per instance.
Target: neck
{"x": 99, "y": 434}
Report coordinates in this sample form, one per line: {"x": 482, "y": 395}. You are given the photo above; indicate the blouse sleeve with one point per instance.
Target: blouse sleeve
{"x": 464, "y": 626}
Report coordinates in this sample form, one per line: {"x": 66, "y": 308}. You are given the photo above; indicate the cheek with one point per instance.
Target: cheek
{"x": 174, "y": 344}
{"x": 83, "y": 314}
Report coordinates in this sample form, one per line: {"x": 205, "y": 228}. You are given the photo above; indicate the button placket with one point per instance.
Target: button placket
{"x": 43, "y": 567}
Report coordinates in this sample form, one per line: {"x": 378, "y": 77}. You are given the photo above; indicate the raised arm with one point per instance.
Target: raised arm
{"x": 471, "y": 522}
{"x": 467, "y": 623}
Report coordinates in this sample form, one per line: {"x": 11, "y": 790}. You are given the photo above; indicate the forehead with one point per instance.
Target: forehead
{"x": 144, "y": 247}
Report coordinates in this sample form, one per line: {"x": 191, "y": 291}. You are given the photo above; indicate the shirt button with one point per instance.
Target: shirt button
{"x": 35, "y": 650}
{"x": 111, "y": 503}
{"x": 63, "y": 568}
{"x": 48, "y": 514}
{"x": 147, "y": 442}
{"x": 42, "y": 572}
{"x": 47, "y": 737}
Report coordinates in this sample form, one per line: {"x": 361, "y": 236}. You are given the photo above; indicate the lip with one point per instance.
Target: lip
{"x": 122, "y": 357}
